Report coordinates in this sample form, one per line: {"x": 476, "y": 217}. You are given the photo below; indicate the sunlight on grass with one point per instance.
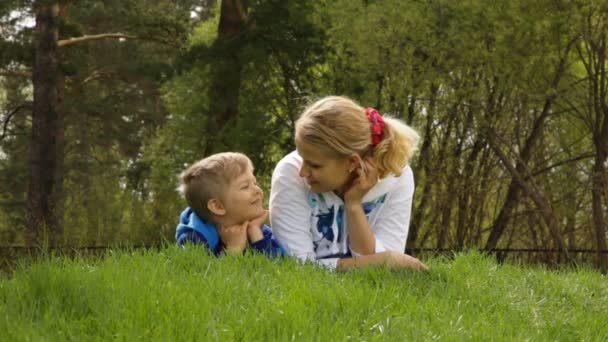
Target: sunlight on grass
{"x": 178, "y": 294}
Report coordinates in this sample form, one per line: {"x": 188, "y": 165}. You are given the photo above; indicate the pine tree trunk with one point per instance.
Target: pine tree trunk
{"x": 598, "y": 212}
{"x": 226, "y": 77}
{"x": 42, "y": 222}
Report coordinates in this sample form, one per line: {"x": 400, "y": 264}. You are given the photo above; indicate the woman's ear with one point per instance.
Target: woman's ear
{"x": 216, "y": 207}
{"x": 354, "y": 162}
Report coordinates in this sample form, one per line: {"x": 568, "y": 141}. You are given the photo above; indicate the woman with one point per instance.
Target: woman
{"x": 344, "y": 197}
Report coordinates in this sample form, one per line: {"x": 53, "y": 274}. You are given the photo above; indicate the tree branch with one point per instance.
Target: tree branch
{"x": 16, "y": 73}
{"x": 92, "y": 37}
{"x": 560, "y": 163}
{"x": 9, "y": 116}
{"x": 86, "y": 38}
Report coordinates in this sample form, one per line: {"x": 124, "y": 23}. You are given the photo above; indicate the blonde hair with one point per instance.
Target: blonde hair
{"x": 339, "y": 127}
{"x": 210, "y": 178}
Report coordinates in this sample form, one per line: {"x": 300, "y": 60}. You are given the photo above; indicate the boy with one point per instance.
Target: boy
{"x": 225, "y": 211}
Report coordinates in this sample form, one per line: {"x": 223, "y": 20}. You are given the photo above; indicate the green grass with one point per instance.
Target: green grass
{"x": 176, "y": 295}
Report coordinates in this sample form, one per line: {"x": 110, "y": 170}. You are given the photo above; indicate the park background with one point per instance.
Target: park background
{"x": 103, "y": 103}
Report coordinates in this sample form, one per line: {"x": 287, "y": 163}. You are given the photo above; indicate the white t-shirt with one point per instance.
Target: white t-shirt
{"x": 312, "y": 226}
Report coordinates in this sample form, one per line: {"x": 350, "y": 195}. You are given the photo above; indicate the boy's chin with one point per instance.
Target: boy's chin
{"x": 254, "y": 214}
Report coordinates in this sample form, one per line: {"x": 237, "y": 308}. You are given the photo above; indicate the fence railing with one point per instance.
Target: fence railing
{"x": 552, "y": 257}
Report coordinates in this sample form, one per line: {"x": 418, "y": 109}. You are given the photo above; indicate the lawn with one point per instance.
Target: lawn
{"x": 183, "y": 294}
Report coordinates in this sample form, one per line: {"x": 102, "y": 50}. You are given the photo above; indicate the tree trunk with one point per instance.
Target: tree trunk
{"x": 226, "y": 77}
{"x": 600, "y": 139}
{"x": 45, "y": 124}
{"x": 424, "y": 176}
{"x": 529, "y": 145}
{"x": 541, "y": 202}
{"x": 598, "y": 211}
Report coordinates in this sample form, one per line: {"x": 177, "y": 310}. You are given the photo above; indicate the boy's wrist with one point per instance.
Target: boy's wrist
{"x": 255, "y": 234}
{"x": 234, "y": 249}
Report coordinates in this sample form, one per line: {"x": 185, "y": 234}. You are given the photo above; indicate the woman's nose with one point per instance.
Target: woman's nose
{"x": 303, "y": 171}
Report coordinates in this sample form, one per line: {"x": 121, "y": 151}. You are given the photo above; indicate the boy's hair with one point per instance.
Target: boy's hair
{"x": 210, "y": 178}
{"x": 340, "y": 127}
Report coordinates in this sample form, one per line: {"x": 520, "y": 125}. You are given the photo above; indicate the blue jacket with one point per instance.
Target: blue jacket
{"x": 192, "y": 228}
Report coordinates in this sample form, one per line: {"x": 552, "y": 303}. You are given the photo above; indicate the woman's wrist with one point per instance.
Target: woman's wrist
{"x": 353, "y": 206}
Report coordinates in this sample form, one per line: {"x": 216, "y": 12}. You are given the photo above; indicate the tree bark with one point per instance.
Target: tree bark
{"x": 45, "y": 125}
{"x": 600, "y": 140}
{"x": 599, "y": 219}
{"x": 226, "y": 77}
{"x": 513, "y": 193}
{"x": 541, "y": 201}
{"x": 424, "y": 176}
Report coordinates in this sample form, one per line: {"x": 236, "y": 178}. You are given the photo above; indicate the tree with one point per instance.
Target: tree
{"x": 46, "y": 125}
{"x": 592, "y": 87}
{"x": 48, "y": 133}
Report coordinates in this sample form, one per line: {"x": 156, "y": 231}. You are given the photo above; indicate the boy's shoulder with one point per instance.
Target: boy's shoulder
{"x": 191, "y": 228}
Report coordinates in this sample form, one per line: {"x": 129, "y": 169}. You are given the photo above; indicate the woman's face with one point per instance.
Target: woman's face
{"x": 323, "y": 173}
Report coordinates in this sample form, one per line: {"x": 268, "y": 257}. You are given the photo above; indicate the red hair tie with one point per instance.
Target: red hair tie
{"x": 378, "y": 124}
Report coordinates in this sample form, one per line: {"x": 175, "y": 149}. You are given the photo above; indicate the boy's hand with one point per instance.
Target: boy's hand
{"x": 254, "y": 228}
{"x": 234, "y": 237}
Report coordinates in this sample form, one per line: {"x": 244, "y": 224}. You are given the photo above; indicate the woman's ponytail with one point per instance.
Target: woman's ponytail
{"x": 398, "y": 144}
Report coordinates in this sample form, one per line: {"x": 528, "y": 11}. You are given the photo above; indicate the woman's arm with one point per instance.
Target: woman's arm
{"x": 390, "y": 229}
{"x": 289, "y": 210}
{"x": 390, "y": 259}
{"x": 362, "y": 238}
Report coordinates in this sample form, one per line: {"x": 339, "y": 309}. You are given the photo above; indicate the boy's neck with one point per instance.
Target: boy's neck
{"x": 225, "y": 221}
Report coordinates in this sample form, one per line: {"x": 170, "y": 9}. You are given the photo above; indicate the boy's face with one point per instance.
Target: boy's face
{"x": 243, "y": 199}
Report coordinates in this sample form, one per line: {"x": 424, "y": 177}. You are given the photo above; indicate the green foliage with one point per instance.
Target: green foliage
{"x": 184, "y": 294}
{"x": 138, "y": 111}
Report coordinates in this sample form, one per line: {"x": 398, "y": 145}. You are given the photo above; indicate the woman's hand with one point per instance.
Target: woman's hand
{"x": 397, "y": 260}
{"x": 391, "y": 259}
{"x": 365, "y": 179}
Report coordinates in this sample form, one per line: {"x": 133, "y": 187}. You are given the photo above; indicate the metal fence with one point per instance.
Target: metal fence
{"x": 11, "y": 255}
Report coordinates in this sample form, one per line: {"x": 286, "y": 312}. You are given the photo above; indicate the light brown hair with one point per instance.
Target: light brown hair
{"x": 210, "y": 178}
{"x": 339, "y": 127}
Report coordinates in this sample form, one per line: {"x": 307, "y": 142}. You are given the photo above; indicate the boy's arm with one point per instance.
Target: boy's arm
{"x": 234, "y": 237}
{"x": 268, "y": 244}
{"x": 254, "y": 229}
{"x": 192, "y": 237}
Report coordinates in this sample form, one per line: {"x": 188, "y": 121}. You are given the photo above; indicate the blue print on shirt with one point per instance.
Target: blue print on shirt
{"x": 312, "y": 201}
{"x": 368, "y": 207}
{"x": 324, "y": 224}
{"x": 340, "y": 221}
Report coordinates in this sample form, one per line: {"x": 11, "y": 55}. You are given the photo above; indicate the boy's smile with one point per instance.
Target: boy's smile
{"x": 243, "y": 200}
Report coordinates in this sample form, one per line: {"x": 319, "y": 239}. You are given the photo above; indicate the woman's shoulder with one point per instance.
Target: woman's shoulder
{"x": 291, "y": 158}
{"x": 288, "y": 164}
{"x": 392, "y": 184}
{"x": 406, "y": 179}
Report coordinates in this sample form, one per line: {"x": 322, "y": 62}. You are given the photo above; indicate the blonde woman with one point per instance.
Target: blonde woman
{"x": 343, "y": 199}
